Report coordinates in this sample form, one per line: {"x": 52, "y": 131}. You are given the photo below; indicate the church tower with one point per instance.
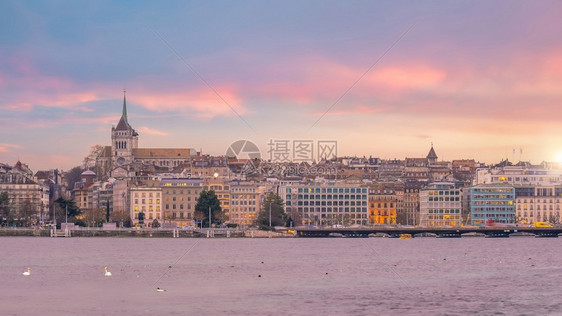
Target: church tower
{"x": 123, "y": 140}
{"x": 432, "y": 156}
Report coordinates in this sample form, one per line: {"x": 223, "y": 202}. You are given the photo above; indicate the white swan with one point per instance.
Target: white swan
{"x": 28, "y": 272}
{"x": 107, "y": 273}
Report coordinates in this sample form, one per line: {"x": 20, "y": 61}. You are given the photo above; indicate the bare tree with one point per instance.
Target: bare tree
{"x": 90, "y": 160}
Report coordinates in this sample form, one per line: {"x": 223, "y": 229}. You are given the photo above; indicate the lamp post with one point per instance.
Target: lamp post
{"x": 209, "y": 217}
{"x": 269, "y": 214}
{"x": 66, "y": 214}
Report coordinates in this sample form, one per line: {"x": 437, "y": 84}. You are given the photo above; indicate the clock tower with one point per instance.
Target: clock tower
{"x": 123, "y": 140}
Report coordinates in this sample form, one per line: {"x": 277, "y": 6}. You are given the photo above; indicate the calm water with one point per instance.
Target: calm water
{"x": 340, "y": 276}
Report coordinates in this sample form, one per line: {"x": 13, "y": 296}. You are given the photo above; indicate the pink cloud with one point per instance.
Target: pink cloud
{"x": 5, "y": 147}
{"x": 152, "y": 131}
{"x": 321, "y": 79}
{"x": 361, "y": 109}
{"x": 203, "y": 102}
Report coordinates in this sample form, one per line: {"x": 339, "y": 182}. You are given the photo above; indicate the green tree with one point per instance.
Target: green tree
{"x": 73, "y": 209}
{"x": 26, "y": 213}
{"x": 6, "y": 216}
{"x": 208, "y": 199}
{"x": 278, "y": 216}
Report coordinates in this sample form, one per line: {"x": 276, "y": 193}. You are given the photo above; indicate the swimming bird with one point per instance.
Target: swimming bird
{"x": 28, "y": 272}
{"x": 107, "y": 273}
{"x": 160, "y": 290}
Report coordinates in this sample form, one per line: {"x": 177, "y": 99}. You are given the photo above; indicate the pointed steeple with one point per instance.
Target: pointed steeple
{"x": 432, "y": 156}
{"x": 124, "y": 115}
{"x": 123, "y": 122}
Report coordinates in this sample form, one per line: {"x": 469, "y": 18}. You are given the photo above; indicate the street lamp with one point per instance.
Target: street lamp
{"x": 209, "y": 217}
{"x": 269, "y": 214}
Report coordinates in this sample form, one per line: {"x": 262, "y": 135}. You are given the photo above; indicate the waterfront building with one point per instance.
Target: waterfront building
{"x": 409, "y": 212}
{"x": 180, "y": 196}
{"x": 120, "y": 200}
{"x": 245, "y": 202}
{"x": 328, "y": 203}
{"x": 440, "y": 205}
{"x": 26, "y": 197}
{"x": 146, "y": 199}
{"x": 521, "y": 174}
{"x": 492, "y": 203}
{"x": 383, "y": 203}
{"x": 538, "y": 204}
{"x": 221, "y": 188}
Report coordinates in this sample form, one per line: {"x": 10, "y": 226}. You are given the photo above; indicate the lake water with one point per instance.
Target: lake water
{"x": 299, "y": 276}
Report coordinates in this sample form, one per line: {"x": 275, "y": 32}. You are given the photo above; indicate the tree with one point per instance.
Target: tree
{"x": 72, "y": 176}
{"x": 553, "y": 220}
{"x": 120, "y": 216}
{"x": 278, "y": 215}
{"x": 90, "y": 159}
{"x": 5, "y": 212}
{"x": 295, "y": 217}
{"x": 26, "y": 213}
{"x": 93, "y": 217}
{"x": 208, "y": 199}
{"x": 72, "y": 209}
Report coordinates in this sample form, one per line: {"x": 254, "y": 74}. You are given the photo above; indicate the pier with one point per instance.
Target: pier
{"x": 453, "y": 232}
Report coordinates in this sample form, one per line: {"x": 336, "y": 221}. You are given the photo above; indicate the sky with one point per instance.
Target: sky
{"x": 477, "y": 79}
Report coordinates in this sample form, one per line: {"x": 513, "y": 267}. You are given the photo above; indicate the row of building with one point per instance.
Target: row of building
{"x": 170, "y": 198}
{"x": 164, "y": 184}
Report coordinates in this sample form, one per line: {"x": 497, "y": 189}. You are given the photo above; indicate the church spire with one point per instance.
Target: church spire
{"x": 124, "y": 115}
{"x": 123, "y": 124}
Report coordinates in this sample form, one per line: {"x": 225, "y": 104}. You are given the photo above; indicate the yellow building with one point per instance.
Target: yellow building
{"x": 147, "y": 200}
{"x": 222, "y": 190}
{"x": 180, "y": 196}
{"x": 245, "y": 203}
{"x": 382, "y": 204}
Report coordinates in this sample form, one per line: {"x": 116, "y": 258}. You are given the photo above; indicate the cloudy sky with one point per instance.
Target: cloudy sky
{"x": 479, "y": 79}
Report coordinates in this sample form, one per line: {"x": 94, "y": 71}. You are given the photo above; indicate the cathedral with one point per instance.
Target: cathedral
{"x": 123, "y": 158}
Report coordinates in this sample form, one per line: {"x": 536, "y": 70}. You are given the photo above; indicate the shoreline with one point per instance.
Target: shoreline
{"x": 143, "y": 233}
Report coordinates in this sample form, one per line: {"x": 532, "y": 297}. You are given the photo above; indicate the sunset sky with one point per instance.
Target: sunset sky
{"x": 479, "y": 79}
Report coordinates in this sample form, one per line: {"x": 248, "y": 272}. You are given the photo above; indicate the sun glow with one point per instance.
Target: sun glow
{"x": 558, "y": 157}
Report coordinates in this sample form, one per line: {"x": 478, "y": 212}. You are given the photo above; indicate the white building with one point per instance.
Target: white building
{"x": 538, "y": 204}
{"x": 519, "y": 175}
{"x": 146, "y": 200}
{"x": 327, "y": 203}
{"x": 440, "y": 205}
